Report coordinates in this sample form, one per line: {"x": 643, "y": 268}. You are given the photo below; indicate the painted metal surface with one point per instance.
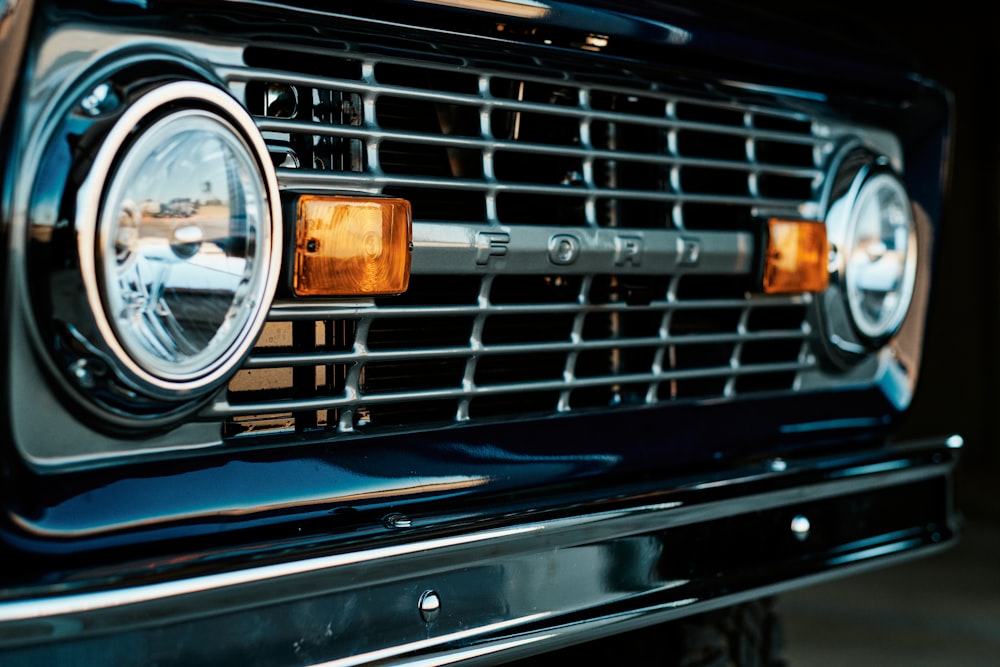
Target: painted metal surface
{"x": 472, "y": 470}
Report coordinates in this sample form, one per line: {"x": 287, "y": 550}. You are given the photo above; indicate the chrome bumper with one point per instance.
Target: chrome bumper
{"x": 517, "y": 586}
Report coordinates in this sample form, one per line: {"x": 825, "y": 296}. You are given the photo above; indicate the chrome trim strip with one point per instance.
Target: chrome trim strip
{"x": 417, "y": 647}
{"x": 24, "y": 610}
{"x": 561, "y": 635}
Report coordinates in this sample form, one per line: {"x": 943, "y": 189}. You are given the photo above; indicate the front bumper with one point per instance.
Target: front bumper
{"x": 500, "y": 588}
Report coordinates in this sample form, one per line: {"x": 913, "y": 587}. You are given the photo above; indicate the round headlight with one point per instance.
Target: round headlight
{"x": 873, "y": 259}
{"x": 880, "y": 256}
{"x": 184, "y": 258}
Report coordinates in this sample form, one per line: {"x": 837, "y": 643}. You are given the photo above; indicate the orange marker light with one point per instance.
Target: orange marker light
{"x": 352, "y": 246}
{"x": 797, "y": 257}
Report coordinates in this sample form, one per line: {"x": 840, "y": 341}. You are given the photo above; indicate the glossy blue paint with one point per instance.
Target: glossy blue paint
{"x": 473, "y": 472}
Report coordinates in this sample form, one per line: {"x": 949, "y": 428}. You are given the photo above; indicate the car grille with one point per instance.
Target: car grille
{"x": 481, "y": 148}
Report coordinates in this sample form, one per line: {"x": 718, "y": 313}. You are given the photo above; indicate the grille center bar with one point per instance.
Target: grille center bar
{"x": 462, "y": 249}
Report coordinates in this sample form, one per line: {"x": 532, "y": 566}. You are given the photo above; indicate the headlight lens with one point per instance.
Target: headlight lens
{"x": 183, "y": 261}
{"x": 880, "y": 257}
{"x": 873, "y": 260}
{"x": 180, "y": 237}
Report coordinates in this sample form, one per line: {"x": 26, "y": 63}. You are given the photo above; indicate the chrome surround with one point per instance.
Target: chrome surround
{"x": 852, "y": 336}
{"x": 550, "y": 581}
{"x": 90, "y": 237}
{"x": 846, "y": 342}
{"x": 868, "y": 180}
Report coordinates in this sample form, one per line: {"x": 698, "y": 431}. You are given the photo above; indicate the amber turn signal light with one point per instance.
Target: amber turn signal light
{"x": 352, "y": 246}
{"x": 797, "y": 257}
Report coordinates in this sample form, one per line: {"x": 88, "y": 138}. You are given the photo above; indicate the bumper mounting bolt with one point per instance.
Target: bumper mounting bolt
{"x": 430, "y": 606}
{"x": 396, "y": 520}
{"x": 801, "y": 527}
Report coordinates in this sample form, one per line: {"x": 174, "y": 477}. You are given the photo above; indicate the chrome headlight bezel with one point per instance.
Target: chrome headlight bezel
{"x": 865, "y": 262}
{"x": 76, "y": 198}
{"x": 873, "y": 257}
{"x": 133, "y": 138}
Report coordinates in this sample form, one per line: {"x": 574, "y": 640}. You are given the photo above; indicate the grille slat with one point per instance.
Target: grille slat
{"x": 499, "y": 166}
{"x": 283, "y": 360}
{"x": 292, "y": 178}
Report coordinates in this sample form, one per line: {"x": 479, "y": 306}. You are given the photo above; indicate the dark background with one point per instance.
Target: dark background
{"x": 944, "y": 609}
{"x": 959, "y": 46}
{"x": 959, "y": 390}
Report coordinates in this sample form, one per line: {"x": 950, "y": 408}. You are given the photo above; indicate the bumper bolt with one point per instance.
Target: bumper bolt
{"x": 430, "y": 606}
{"x": 101, "y": 100}
{"x": 83, "y": 374}
{"x": 396, "y": 520}
{"x": 801, "y": 527}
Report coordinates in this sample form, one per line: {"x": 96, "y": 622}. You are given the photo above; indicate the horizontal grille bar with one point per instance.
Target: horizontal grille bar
{"x": 280, "y": 360}
{"x": 223, "y": 409}
{"x": 292, "y": 179}
{"x": 287, "y": 311}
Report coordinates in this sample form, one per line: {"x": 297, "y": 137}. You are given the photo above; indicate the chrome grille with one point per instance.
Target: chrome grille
{"x": 474, "y": 148}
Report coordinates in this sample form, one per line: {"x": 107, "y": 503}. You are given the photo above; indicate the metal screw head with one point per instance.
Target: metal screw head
{"x": 430, "y": 606}
{"x": 778, "y": 465}
{"x": 281, "y": 101}
{"x": 396, "y": 520}
{"x": 80, "y": 370}
{"x": 101, "y": 99}
{"x": 801, "y": 527}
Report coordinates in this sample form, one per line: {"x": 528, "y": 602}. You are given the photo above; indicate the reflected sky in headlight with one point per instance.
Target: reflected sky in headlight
{"x": 178, "y": 272}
